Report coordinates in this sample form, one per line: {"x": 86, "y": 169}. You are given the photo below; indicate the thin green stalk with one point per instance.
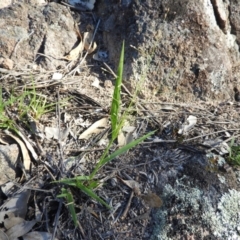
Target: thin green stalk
{"x": 86, "y": 183}
{"x": 116, "y": 101}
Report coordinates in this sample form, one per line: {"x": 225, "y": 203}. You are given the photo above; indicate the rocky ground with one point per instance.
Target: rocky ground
{"x": 182, "y": 60}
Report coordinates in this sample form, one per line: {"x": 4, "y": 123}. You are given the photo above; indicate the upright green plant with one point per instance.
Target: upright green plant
{"x": 22, "y": 105}
{"x": 116, "y": 100}
{"x": 234, "y": 154}
{"x": 27, "y": 102}
{"x": 87, "y": 184}
{"x": 5, "y": 122}
{"x": 36, "y": 104}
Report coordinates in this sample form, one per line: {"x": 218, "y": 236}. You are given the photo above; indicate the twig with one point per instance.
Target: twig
{"x": 73, "y": 7}
{"x": 57, "y": 218}
{"x": 86, "y": 150}
{"x": 146, "y": 215}
{"x": 30, "y": 188}
{"x": 128, "y": 206}
{"x": 49, "y": 172}
{"x": 45, "y": 213}
{"x": 48, "y": 56}
{"x": 59, "y": 129}
{"x": 159, "y": 141}
{"x": 208, "y": 134}
{"x": 81, "y": 229}
{"x": 110, "y": 70}
{"x": 225, "y": 141}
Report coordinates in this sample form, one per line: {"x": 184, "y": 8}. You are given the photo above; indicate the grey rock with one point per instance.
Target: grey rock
{"x": 188, "y": 48}
{"x": 27, "y": 30}
{"x": 8, "y": 162}
{"x": 203, "y": 219}
{"x": 234, "y": 9}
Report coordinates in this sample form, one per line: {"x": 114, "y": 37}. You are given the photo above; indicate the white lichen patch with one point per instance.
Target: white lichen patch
{"x": 224, "y": 220}
{"x": 229, "y": 213}
{"x": 204, "y": 213}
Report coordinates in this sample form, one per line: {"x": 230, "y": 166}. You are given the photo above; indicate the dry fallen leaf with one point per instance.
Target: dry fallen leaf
{"x": 25, "y": 156}
{"x": 20, "y": 229}
{"x": 38, "y": 236}
{"x": 74, "y": 54}
{"x": 152, "y": 200}
{"x": 87, "y": 38}
{"x": 134, "y": 185}
{"x": 6, "y": 63}
{"x": 3, "y": 236}
{"x": 16, "y": 206}
{"x": 128, "y": 137}
{"x": 56, "y": 133}
{"x": 10, "y": 222}
{"x": 121, "y": 139}
{"x": 29, "y": 146}
{"x": 167, "y": 107}
{"x": 96, "y": 128}
{"x": 2, "y": 141}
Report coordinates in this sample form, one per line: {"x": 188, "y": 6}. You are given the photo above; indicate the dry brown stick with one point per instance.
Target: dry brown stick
{"x": 49, "y": 172}
{"x": 209, "y": 134}
{"x": 81, "y": 229}
{"x": 112, "y": 72}
{"x": 128, "y": 206}
{"x": 225, "y": 141}
{"x": 59, "y": 129}
{"x": 56, "y": 220}
{"x": 86, "y": 150}
{"x": 77, "y": 31}
{"x": 29, "y": 188}
{"x": 146, "y": 215}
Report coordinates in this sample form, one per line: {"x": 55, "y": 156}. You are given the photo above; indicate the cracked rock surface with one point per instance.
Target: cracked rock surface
{"x": 36, "y": 35}
{"x": 187, "y": 49}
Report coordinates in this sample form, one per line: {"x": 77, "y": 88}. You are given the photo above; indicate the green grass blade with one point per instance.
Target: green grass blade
{"x": 69, "y": 197}
{"x": 1, "y": 102}
{"x": 73, "y": 180}
{"x": 116, "y": 100}
{"x": 124, "y": 149}
{"x": 86, "y": 183}
{"x": 91, "y": 194}
{"x": 92, "y": 184}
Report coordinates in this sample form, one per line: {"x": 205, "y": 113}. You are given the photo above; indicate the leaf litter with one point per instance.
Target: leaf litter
{"x": 135, "y": 196}
{"x": 89, "y": 211}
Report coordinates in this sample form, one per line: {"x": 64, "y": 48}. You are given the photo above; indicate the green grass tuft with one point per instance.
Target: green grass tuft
{"x": 234, "y": 154}
{"x": 87, "y": 184}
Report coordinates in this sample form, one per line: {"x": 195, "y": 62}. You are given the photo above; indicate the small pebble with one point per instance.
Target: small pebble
{"x": 108, "y": 84}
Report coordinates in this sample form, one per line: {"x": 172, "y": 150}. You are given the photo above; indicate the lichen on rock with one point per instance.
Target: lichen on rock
{"x": 194, "y": 214}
